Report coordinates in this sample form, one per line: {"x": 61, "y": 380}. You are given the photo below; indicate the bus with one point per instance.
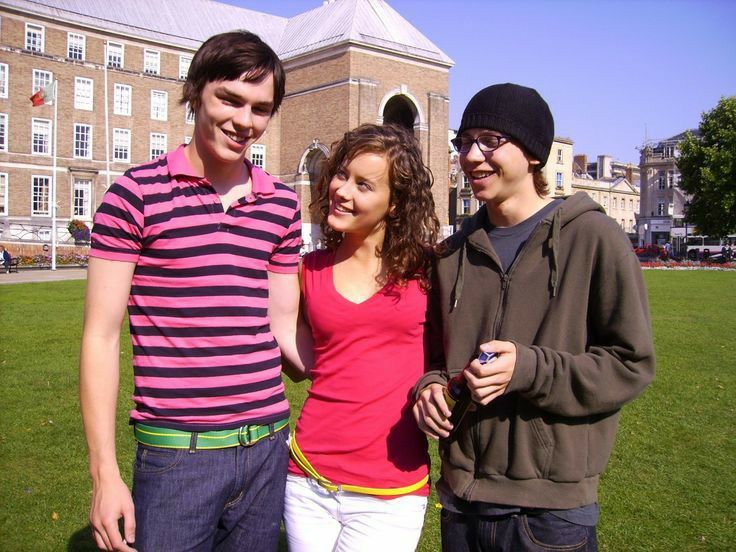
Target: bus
{"x": 704, "y": 247}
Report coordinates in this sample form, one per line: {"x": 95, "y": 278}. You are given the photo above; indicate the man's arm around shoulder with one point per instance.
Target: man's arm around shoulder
{"x": 108, "y": 288}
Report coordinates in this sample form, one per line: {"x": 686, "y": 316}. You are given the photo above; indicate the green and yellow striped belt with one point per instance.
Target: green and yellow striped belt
{"x": 245, "y": 436}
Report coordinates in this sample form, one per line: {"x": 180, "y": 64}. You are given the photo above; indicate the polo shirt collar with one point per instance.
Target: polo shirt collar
{"x": 262, "y": 183}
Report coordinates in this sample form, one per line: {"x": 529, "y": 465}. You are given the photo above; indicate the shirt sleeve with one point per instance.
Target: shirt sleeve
{"x": 285, "y": 256}
{"x": 119, "y": 222}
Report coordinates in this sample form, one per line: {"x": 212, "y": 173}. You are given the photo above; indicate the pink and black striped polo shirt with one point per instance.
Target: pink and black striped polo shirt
{"x": 203, "y": 353}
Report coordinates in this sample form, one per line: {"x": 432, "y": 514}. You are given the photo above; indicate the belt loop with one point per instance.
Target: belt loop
{"x": 271, "y": 433}
{"x": 193, "y": 443}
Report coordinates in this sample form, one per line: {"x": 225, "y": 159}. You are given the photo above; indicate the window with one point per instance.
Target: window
{"x": 83, "y": 141}
{"x": 637, "y": 205}
{"x": 559, "y": 181}
{"x": 121, "y": 99}
{"x": 41, "y": 136}
{"x": 151, "y": 62}
{"x": 615, "y": 205}
{"x": 605, "y": 202}
{"x": 559, "y": 155}
{"x": 631, "y": 225}
{"x": 466, "y": 207}
{"x": 121, "y": 145}
{"x": 3, "y": 132}
{"x": 83, "y": 93}
{"x": 466, "y": 182}
{"x": 159, "y": 105}
{"x": 41, "y": 79}
{"x": 34, "y": 38}
{"x": 189, "y": 114}
{"x": 3, "y": 80}
{"x": 40, "y": 205}
{"x": 3, "y": 194}
{"x": 158, "y": 144}
{"x": 258, "y": 155}
{"x": 115, "y": 55}
{"x": 184, "y": 63}
{"x": 187, "y": 139}
{"x": 660, "y": 180}
{"x": 75, "y": 44}
{"x": 81, "y": 199}
{"x": 660, "y": 208}
{"x": 631, "y": 205}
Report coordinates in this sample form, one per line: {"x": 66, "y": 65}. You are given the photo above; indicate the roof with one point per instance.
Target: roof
{"x": 187, "y": 23}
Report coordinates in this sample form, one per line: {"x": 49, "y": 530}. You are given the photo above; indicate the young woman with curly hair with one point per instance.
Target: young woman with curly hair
{"x": 358, "y": 478}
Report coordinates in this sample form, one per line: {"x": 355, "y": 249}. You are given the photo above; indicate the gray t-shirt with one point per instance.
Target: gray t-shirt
{"x": 507, "y": 242}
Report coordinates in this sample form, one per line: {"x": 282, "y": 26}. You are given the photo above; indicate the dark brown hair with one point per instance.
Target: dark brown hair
{"x": 412, "y": 226}
{"x": 229, "y": 56}
{"x": 540, "y": 183}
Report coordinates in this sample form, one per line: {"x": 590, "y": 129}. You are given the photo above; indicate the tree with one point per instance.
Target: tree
{"x": 708, "y": 171}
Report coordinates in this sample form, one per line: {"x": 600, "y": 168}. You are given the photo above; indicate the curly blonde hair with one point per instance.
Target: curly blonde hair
{"x": 412, "y": 227}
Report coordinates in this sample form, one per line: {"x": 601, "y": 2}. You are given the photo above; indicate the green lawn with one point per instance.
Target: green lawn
{"x": 669, "y": 486}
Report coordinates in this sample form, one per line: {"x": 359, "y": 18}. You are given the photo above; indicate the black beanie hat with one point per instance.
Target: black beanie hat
{"x": 517, "y": 111}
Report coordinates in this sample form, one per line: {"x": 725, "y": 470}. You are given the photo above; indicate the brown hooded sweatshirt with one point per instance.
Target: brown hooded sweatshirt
{"x": 575, "y": 305}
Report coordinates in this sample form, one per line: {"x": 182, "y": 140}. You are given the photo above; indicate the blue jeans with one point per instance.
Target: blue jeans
{"x": 224, "y": 499}
{"x": 515, "y": 533}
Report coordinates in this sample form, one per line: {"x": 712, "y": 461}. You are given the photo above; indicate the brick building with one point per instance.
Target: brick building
{"x": 120, "y": 68}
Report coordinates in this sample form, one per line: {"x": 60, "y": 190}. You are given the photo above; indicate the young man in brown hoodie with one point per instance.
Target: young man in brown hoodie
{"x": 552, "y": 286}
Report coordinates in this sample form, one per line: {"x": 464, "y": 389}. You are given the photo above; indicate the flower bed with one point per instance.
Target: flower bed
{"x": 687, "y": 265}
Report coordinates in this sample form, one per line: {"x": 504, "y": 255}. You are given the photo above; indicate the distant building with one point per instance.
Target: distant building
{"x": 558, "y": 170}
{"x": 616, "y": 194}
{"x": 120, "y": 69}
{"x": 662, "y": 200}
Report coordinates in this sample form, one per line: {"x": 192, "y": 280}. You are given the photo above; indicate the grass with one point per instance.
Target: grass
{"x": 669, "y": 485}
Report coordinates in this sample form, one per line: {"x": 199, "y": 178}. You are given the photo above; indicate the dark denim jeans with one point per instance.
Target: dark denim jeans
{"x": 530, "y": 533}
{"x": 225, "y": 499}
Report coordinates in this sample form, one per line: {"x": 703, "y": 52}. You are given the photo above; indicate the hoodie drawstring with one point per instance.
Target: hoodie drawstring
{"x": 457, "y": 289}
{"x": 554, "y": 245}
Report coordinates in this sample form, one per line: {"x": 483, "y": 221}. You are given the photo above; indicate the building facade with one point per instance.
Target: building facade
{"x": 119, "y": 74}
{"x": 663, "y": 202}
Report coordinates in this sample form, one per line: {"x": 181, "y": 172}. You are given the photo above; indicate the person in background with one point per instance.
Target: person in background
{"x": 358, "y": 478}
{"x": 202, "y": 247}
{"x": 6, "y": 258}
{"x": 553, "y": 287}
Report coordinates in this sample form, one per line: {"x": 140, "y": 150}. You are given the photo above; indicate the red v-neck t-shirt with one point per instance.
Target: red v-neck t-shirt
{"x": 356, "y": 426}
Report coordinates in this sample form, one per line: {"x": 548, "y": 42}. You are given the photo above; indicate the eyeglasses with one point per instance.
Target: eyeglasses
{"x": 486, "y": 142}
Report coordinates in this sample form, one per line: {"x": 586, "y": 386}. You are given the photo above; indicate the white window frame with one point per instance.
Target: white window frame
{"x": 4, "y": 193}
{"x": 42, "y": 129}
{"x": 184, "y": 63}
{"x": 159, "y": 105}
{"x": 157, "y": 137}
{"x": 559, "y": 156}
{"x": 559, "y": 181}
{"x": 187, "y": 139}
{"x": 122, "y": 104}
{"x": 84, "y": 91}
{"x": 258, "y": 155}
{"x": 81, "y": 204}
{"x": 121, "y": 143}
{"x": 4, "y": 132}
{"x": 76, "y": 46}
{"x": 36, "y": 180}
{"x": 151, "y": 62}
{"x": 82, "y": 148}
{"x": 4, "y": 77}
{"x": 35, "y": 37}
{"x": 466, "y": 181}
{"x": 188, "y": 114}
{"x": 465, "y": 206}
{"x": 115, "y": 55}
{"x": 41, "y": 79}
{"x": 615, "y": 203}
{"x": 661, "y": 209}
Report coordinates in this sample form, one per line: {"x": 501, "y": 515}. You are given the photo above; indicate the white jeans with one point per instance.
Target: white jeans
{"x": 318, "y": 520}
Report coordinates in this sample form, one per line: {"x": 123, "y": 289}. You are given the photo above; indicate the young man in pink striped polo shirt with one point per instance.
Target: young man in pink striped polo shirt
{"x": 202, "y": 247}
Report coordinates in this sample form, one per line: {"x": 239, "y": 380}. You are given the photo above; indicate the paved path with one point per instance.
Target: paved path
{"x": 28, "y": 275}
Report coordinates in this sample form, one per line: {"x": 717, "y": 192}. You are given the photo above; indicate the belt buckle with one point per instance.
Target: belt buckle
{"x": 244, "y": 437}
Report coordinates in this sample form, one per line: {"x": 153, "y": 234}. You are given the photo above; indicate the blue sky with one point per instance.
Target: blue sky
{"x": 613, "y": 72}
